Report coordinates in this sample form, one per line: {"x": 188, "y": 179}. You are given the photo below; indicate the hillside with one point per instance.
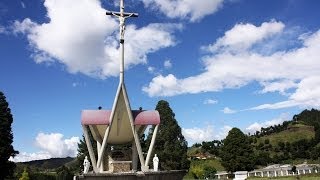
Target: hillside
{"x": 52, "y": 163}
{"x": 294, "y": 132}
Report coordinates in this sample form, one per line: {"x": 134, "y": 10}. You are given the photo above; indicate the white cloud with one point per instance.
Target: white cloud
{"x": 23, "y": 5}
{"x": 24, "y": 156}
{"x": 167, "y": 64}
{"x": 87, "y": 42}
{"x": 194, "y": 135}
{"x": 222, "y": 134}
{"x": 52, "y": 145}
{"x": 243, "y": 36}
{"x": 3, "y": 30}
{"x": 257, "y": 126}
{"x": 185, "y": 9}
{"x": 151, "y": 69}
{"x": 227, "y": 110}
{"x": 210, "y": 101}
{"x": 233, "y": 66}
{"x": 306, "y": 95}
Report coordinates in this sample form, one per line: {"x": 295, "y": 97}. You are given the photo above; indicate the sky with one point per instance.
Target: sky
{"x": 219, "y": 63}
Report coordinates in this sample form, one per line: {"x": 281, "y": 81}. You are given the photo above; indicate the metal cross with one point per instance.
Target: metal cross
{"x": 122, "y": 17}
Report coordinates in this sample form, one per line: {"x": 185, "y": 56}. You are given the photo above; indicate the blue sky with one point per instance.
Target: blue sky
{"x": 219, "y": 63}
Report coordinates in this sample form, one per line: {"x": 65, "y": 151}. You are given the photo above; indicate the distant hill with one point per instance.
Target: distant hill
{"x": 294, "y": 132}
{"x": 296, "y": 140}
{"x": 52, "y": 163}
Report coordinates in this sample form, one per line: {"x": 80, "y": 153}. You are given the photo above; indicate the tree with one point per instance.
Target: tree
{"x": 209, "y": 172}
{"x": 25, "y": 175}
{"x": 83, "y": 151}
{"x": 171, "y": 146}
{"x": 64, "y": 173}
{"x": 236, "y": 152}
{"x": 6, "y": 139}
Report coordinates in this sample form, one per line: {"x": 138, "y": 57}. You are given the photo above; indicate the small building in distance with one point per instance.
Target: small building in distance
{"x": 277, "y": 170}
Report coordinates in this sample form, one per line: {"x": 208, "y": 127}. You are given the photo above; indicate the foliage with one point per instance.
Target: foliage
{"x": 6, "y": 139}
{"x": 83, "y": 152}
{"x": 237, "y": 152}
{"x": 25, "y": 175}
{"x": 63, "y": 173}
{"x": 209, "y": 172}
{"x": 171, "y": 146}
{"x": 200, "y": 169}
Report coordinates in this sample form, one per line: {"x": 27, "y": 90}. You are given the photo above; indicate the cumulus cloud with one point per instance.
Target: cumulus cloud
{"x": 306, "y": 95}
{"x": 87, "y": 42}
{"x": 52, "y": 145}
{"x": 243, "y": 36}
{"x": 194, "y": 135}
{"x": 197, "y": 135}
{"x": 185, "y": 9}
{"x": 223, "y": 132}
{"x": 227, "y": 110}
{"x": 167, "y": 64}
{"x": 210, "y": 101}
{"x": 3, "y": 30}
{"x": 257, "y": 126}
{"x": 232, "y": 62}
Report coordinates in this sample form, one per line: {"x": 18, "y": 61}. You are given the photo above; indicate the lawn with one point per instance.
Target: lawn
{"x": 307, "y": 177}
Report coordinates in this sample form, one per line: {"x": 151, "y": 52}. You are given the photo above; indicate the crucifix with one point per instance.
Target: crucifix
{"x": 122, "y": 17}
{"x": 120, "y": 125}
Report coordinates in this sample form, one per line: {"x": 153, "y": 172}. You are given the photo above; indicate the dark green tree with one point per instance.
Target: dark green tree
{"x": 6, "y": 139}
{"x": 83, "y": 152}
{"x": 209, "y": 172}
{"x": 63, "y": 173}
{"x": 25, "y": 175}
{"x": 237, "y": 152}
{"x": 171, "y": 146}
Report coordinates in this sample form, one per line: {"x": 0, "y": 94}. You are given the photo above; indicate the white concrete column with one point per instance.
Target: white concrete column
{"x": 275, "y": 173}
{"x": 268, "y": 173}
{"x": 304, "y": 171}
{"x": 310, "y": 171}
{"x": 261, "y": 173}
{"x": 298, "y": 172}
{"x": 287, "y": 172}
{"x": 101, "y": 167}
{"x": 281, "y": 173}
{"x": 153, "y": 139}
{"x": 90, "y": 149}
{"x": 134, "y": 157}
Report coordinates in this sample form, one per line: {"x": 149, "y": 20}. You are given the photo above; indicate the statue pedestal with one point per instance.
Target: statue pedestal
{"x": 120, "y": 166}
{"x": 150, "y": 175}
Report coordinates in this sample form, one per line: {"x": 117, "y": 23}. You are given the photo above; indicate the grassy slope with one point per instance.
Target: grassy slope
{"x": 299, "y": 132}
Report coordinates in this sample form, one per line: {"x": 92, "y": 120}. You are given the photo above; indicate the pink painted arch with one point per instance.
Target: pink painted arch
{"x": 101, "y": 117}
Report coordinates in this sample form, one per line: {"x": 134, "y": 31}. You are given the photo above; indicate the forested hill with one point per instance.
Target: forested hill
{"x": 52, "y": 163}
{"x": 307, "y": 120}
{"x": 293, "y": 140}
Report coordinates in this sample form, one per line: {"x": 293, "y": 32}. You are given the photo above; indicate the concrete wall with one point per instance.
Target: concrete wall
{"x": 160, "y": 175}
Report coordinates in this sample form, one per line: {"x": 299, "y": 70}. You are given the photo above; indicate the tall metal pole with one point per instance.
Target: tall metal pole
{"x": 122, "y": 28}
{"x": 122, "y": 17}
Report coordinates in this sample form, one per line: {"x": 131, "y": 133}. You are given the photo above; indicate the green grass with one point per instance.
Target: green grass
{"x": 201, "y": 163}
{"x": 303, "y": 177}
{"x": 302, "y": 132}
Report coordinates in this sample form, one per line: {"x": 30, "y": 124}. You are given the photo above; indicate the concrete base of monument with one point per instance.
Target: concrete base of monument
{"x": 150, "y": 175}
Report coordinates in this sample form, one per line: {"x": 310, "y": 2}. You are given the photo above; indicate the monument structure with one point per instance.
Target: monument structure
{"x": 120, "y": 125}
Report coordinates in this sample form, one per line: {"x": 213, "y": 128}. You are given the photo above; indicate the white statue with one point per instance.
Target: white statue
{"x": 86, "y": 165}
{"x": 155, "y": 162}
